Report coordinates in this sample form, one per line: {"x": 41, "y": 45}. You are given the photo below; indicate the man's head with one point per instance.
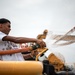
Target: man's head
{"x": 3, "y": 20}
{"x": 5, "y": 25}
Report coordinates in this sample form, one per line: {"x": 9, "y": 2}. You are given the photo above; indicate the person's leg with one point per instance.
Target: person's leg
{"x": 48, "y": 68}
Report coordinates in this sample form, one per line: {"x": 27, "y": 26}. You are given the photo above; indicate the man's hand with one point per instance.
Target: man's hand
{"x": 41, "y": 43}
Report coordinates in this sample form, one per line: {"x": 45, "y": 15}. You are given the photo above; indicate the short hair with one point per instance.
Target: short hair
{"x": 3, "y": 20}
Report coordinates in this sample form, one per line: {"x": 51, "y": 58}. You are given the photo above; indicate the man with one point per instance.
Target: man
{"x": 8, "y": 48}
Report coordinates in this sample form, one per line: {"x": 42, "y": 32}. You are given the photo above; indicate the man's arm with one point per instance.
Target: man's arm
{"x": 19, "y": 39}
{"x": 30, "y": 48}
{"x": 6, "y": 52}
{"x": 24, "y": 40}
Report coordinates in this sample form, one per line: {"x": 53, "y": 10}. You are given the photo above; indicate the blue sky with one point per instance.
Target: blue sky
{"x": 30, "y": 17}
